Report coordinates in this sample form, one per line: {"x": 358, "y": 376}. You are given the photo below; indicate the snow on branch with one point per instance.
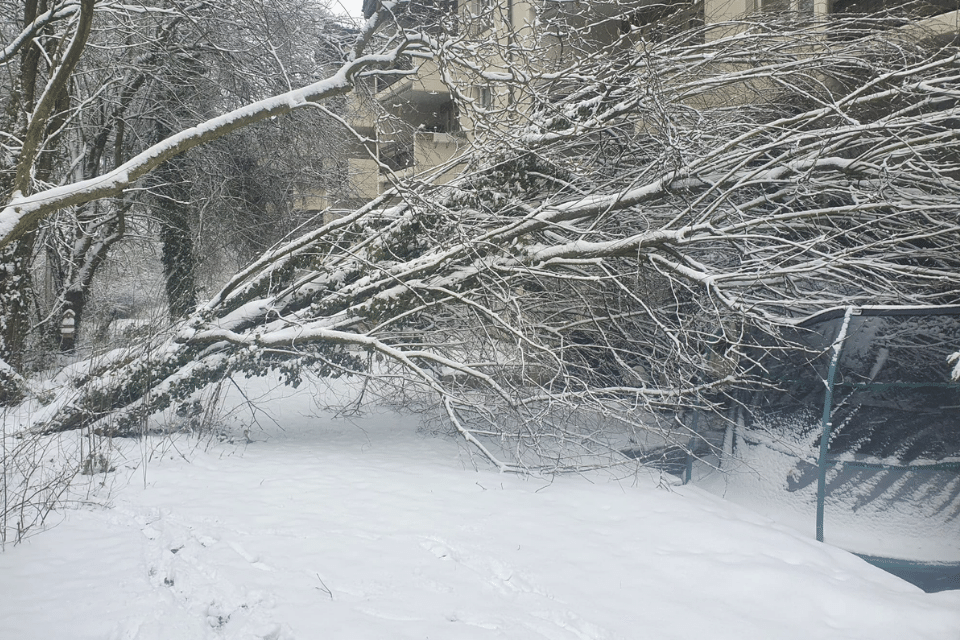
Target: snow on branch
{"x": 624, "y": 242}
{"x": 22, "y": 212}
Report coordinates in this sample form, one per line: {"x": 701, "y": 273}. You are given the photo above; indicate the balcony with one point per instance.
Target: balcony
{"x": 419, "y": 91}
{"x": 426, "y": 14}
{"x": 924, "y": 20}
{"x": 419, "y": 152}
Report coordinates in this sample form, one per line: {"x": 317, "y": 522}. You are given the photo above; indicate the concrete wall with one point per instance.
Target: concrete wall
{"x": 363, "y": 175}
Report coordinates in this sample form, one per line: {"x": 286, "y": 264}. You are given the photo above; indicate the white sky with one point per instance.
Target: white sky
{"x": 349, "y": 7}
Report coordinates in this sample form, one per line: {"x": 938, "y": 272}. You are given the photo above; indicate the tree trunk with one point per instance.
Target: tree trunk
{"x": 178, "y": 257}
{"x": 15, "y": 298}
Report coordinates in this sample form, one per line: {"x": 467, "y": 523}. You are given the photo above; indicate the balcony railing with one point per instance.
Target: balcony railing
{"x": 421, "y": 151}
{"x": 863, "y": 17}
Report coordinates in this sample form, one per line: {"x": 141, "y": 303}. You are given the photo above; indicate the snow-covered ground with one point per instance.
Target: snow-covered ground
{"x": 892, "y": 514}
{"x": 366, "y": 528}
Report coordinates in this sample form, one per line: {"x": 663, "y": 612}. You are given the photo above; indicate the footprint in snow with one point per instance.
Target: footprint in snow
{"x": 254, "y": 560}
{"x": 204, "y": 540}
{"x": 150, "y": 533}
{"x": 439, "y": 549}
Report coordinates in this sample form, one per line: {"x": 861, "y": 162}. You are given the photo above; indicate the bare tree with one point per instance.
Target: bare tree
{"x": 99, "y": 123}
{"x": 34, "y": 117}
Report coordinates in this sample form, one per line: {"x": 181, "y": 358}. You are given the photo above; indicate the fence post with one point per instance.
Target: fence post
{"x": 826, "y": 422}
{"x": 688, "y": 471}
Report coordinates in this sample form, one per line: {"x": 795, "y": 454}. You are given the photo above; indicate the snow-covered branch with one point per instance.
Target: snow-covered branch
{"x": 22, "y": 212}
{"x": 628, "y": 235}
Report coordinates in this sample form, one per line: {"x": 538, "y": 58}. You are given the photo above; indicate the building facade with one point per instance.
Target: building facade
{"x": 411, "y": 125}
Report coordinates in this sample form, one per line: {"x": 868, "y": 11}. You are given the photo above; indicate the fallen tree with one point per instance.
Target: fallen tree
{"x": 625, "y": 233}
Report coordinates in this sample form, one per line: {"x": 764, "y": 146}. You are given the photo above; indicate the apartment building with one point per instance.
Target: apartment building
{"x": 413, "y": 122}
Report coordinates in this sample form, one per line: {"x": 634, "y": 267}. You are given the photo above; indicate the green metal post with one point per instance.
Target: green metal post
{"x": 825, "y": 421}
{"x": 688, "y": 472}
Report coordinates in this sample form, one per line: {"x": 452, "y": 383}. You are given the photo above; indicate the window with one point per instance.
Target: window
{"x": 780, "y": 6}
{"x": 773, "y": 5}
{"x": 484, "y": 97}
{"x": 915, "y": 9}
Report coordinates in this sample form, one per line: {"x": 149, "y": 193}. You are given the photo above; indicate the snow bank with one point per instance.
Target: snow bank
{"x": 368, "y": 529}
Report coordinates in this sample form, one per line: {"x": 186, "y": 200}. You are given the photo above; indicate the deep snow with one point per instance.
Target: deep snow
{"x": 367, "y": 528}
